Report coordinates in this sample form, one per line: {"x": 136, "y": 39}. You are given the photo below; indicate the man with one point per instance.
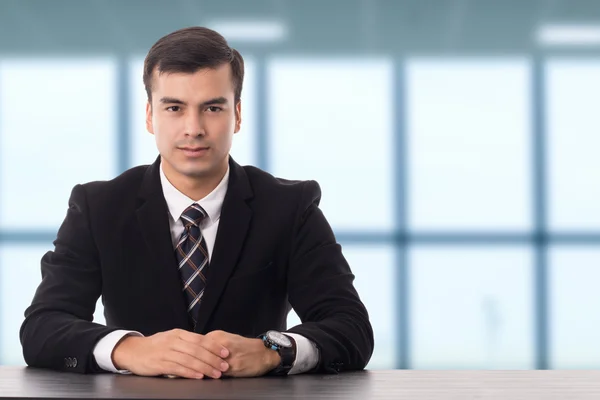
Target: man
{"x": 197, "y": 259}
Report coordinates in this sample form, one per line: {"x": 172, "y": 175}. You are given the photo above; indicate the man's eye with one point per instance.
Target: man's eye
{"x": 214, "y": 109}
{"x": 173, "y": 108}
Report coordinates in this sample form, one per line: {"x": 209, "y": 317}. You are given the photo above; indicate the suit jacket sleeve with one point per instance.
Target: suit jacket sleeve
{"x": 58, "y": 325}
{"x": 321, "y": 291}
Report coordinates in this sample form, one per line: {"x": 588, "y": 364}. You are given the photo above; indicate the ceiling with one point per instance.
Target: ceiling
{"x": 314, "y": 26}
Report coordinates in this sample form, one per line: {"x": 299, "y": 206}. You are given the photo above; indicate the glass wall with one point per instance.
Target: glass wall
{"x": 456, "y": 152}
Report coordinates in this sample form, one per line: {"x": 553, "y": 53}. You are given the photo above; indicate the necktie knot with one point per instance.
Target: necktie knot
{"x": 193, "y": 215}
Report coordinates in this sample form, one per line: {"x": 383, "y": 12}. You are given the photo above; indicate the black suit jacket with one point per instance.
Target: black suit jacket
{"x": 274, "y": 248}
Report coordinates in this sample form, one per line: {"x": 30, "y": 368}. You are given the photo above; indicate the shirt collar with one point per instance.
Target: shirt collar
{"x": 177, "y": 202}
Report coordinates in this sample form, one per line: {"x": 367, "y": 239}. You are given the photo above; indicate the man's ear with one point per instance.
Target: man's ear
{"x": 149, "y": 126}
{"x": 238, "y": 116}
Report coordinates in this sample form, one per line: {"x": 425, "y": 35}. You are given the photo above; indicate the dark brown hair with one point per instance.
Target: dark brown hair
{"x": 189, "y": 49}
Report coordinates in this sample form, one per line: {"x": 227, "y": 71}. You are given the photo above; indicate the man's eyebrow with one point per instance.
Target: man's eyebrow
{"x": 216, "y": 100}
{"x": 171, "y": 100}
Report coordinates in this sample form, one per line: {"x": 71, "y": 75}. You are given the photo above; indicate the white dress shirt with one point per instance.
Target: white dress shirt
{"x": 307, "y": 354}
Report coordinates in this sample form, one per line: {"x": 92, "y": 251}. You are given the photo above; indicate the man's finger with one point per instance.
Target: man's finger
{"x": 175, "y": 370}
{"x": 201, "y": 354}
{"x": 193, "y": 363}
{"x": 206, "y": 342}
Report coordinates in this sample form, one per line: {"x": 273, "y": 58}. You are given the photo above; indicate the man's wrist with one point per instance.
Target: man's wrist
{"x": 285, "y": 347}
{"x": 272, "y": 358}
{"x": 104, "y": 348}
{"x": 275, "y": 358}
{"x": 119, "y": 355}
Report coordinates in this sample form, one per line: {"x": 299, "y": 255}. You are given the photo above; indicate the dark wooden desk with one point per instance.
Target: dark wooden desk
{"x": 16, "y": 382}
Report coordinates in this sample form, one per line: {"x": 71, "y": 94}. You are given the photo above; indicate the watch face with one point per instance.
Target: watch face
{"x": 279, "y": 339}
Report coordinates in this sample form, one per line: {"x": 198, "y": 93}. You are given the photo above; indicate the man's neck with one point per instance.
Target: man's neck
{"x": 196, "y": 188}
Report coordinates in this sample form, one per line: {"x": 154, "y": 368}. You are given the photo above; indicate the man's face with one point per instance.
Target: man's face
{"x": 193, "y": 118}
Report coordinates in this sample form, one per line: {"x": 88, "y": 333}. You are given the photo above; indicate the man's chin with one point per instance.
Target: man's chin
{"x": 197, "y": 169}
{"x": 198, "y": 173}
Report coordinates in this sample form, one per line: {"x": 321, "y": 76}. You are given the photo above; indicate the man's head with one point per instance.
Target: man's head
{"x": 193, "y": 80}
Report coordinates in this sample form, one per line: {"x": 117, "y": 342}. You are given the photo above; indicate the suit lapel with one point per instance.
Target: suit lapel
{"x": 153, "y": 218}
{"x": 233, "y": 227}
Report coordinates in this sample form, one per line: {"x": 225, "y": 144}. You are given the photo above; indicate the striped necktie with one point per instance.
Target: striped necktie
{"x": 192, "y": 258}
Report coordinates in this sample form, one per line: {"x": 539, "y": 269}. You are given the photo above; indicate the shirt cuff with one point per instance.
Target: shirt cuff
{"x": 307, "y": 354}
{"x": 104, "y": 349}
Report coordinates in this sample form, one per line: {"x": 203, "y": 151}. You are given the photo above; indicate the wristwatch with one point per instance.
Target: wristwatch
{"x": 286, "y": 347}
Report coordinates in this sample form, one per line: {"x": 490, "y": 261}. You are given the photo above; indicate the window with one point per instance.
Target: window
{"x": 573, "y": 90}
{"x": 58, "y": 128}
{"x": 332, "y": 121}
{"x": 471, "y": 307}
{"x": 468, "y": 130}
{"x": 575, "y": 321}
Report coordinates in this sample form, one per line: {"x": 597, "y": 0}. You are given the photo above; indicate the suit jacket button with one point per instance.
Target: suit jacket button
{"x": 74, "y": 362}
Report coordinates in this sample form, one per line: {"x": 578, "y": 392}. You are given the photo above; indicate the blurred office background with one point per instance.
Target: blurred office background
{"x": 457, "y": 144}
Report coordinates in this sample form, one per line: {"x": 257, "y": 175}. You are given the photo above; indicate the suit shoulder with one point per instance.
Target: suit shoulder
{"x": 263, "y": 183}
{"x": 120, "y": 184}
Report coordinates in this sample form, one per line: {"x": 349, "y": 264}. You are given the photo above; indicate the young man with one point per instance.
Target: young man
{"x": 197, "y": 259}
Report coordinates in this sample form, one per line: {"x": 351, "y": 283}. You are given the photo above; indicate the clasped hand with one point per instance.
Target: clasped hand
{"x": 191, "y": 355}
